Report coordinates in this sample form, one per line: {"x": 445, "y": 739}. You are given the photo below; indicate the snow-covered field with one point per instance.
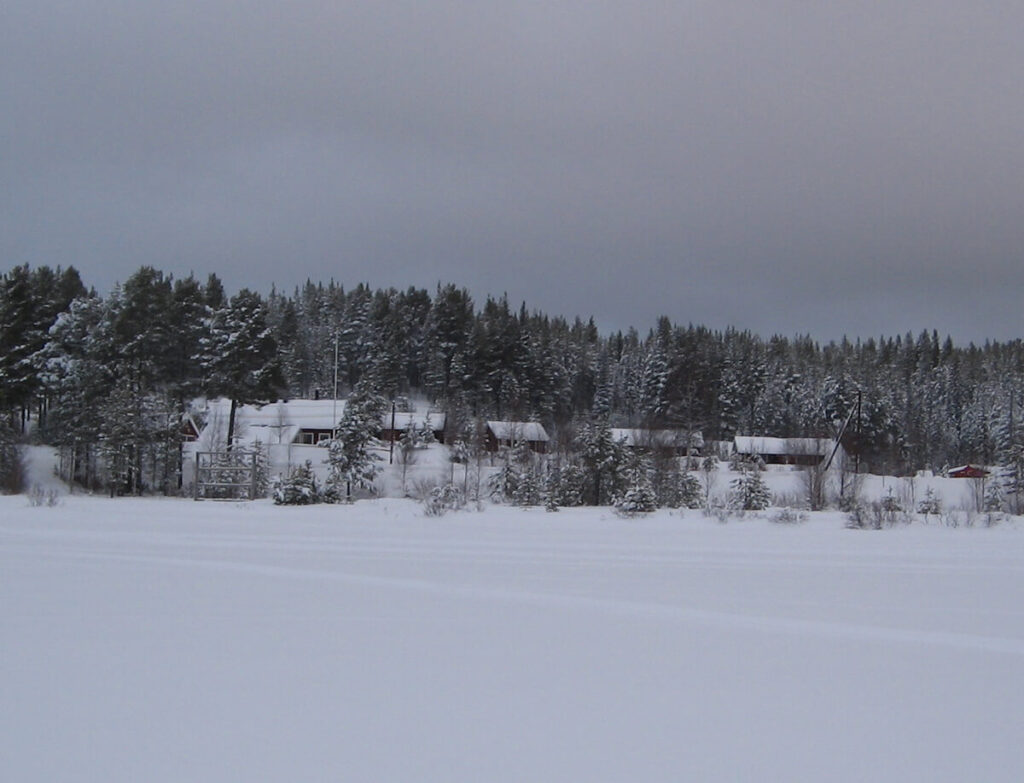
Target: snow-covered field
{"x": 167, "y": 640}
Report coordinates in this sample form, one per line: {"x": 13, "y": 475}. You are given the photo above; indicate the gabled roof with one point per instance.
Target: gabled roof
{"x": 518, "y": 431}
{"x": 306, "y": 414}
{"x": 276, "y": 422}
{"x": 969, "y": 471}
{"x": 746, "y": 444}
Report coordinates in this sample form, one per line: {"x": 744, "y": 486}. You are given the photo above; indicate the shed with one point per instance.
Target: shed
{"x": 967, "y": 471}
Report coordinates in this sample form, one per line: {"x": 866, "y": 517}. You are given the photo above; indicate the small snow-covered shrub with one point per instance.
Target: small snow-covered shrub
{"x": 299, "y": 488}
{"x": 930, "y": 504}
{"x": 849, "y": 503}
{"x": 422, "y": 487}
{"x": 889, "y": 511}
{"x": 718, "y": 509}
{"x": 38, "y": 496}
{"x": 788, "y": 516}
{"x": 875, "y": 516}
{"x": 443, "y": 499}
{"x": 749, "y": 492}
{"x": 993, "y": 518}
{"x": 879, "y": 514}
{"x": 857, "y": 517}
{"x": 502, "y": 486}
{"x": 955, "y": 518}
{"x": 636, "y": 500}
{"x": 787, "y": 500}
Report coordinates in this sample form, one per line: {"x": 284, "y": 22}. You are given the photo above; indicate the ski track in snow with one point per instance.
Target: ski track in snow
{"x": 506, "y": 645}
{"x": 634, "y": 608}
{"x": 523, "y": 554}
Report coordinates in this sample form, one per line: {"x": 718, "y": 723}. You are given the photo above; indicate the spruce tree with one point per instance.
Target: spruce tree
{"x": 351, "y": 458}
{"x": 749, "y": 492}
{"x": 639, "y": 496}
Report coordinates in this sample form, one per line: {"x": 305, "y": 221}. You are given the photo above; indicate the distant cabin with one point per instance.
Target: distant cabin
{"x": 509, "y": 433}
{"x": 411, "y": 420}
{"x": 807, "y": 452}
{"x": 967, "y": 471}
{"x": 659, "y": 440}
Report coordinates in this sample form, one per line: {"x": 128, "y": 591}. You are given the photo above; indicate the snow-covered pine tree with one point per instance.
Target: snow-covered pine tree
{"x": 352, "y": 461}
{"x": 603, "y": 460}
{"x": 638, "y": 497}
{"x": 299, "y": 488}
{"x": 549, "y": 492}
{"x": 240, "y": 356}
{"x": 502, "y": 485}
{"x": 749, "y": 492}
{"x": 930, "y": 504}
{"x": 122, "y": 434}
{"x": 993, "y": 495}
{"x": 690, "y": 494}
{"x": 708, "y": 478}
{"x": 30, "y": 302}
{"x": 261, "y": 469}
{"x": 1010, "y": 437}
{"x": 528, "y": 483}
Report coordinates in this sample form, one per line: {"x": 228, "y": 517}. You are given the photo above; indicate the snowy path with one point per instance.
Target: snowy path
{"x": 167, "y": 640}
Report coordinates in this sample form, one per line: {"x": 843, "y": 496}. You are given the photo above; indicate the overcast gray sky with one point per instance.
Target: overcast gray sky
{"x": 837, "y": 167}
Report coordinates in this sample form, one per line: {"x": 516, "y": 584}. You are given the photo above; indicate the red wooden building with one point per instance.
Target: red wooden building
{"x": 967, "y": 471}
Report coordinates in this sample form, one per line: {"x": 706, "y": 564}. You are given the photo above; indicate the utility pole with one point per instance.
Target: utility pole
{"x": 856, "y": 457}
{"x": 1013, "y": 457}
{"x": 334, "y": 407}
{"x": 391, "y": 448}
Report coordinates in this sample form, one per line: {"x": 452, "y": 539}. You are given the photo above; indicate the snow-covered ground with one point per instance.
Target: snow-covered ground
{"x": 168, "y": 640}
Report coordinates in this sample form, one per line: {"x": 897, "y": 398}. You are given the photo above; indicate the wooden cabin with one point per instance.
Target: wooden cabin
{"x": 967, "y": 471}
{"x": 806, "y": 452}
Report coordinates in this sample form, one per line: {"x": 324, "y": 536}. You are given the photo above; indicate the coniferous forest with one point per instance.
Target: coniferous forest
{"x": 89, "y": 370}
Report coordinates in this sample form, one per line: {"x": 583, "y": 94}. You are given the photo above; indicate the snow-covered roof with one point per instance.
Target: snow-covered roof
{"x": 518, "y": 431}
{"x": 746, "y": 444}
{"x": 276, "y": 422}
{"x": 307, "y": 414}
{"x": 405, "y": 421}
{"x": 967, "y": 469}
{"x": 658, "y": 438}
{"x": 281, "y": 422}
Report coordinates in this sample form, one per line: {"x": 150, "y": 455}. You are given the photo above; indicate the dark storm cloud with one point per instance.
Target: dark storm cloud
{"x": 854, "y": 167}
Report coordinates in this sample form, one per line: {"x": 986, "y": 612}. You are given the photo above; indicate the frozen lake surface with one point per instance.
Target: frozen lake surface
{"x": 166, "y": 640}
